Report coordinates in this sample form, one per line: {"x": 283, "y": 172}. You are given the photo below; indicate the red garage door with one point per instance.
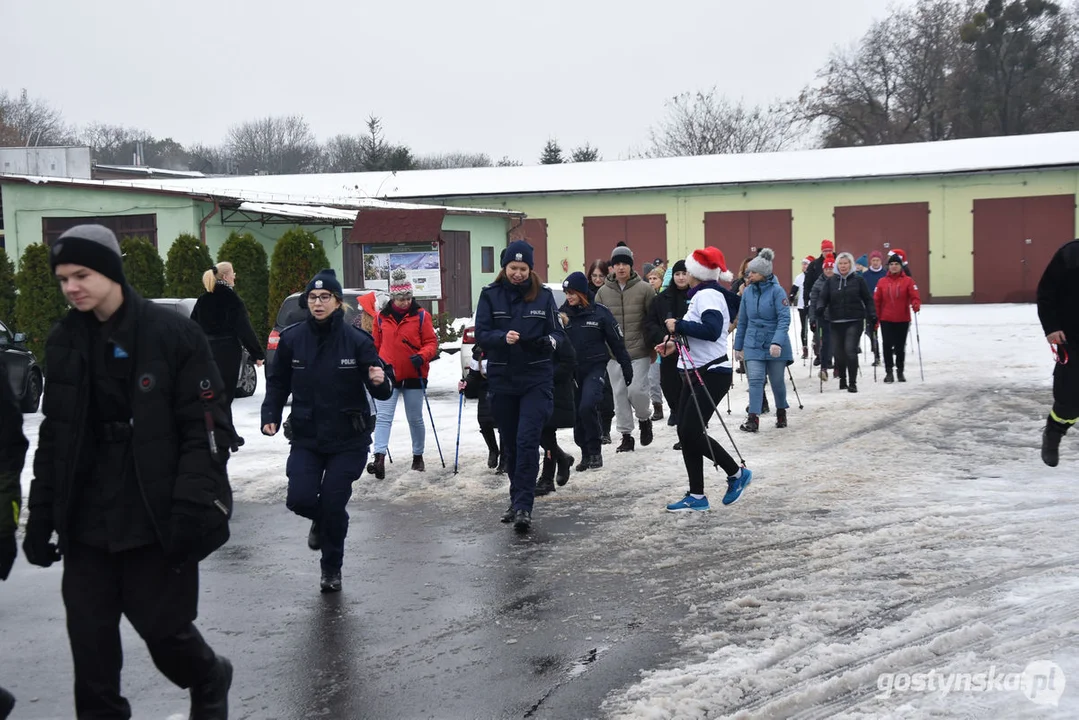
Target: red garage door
{"x": 1014, "y": 239}
{"x": 860, "y": 229}
{"x": 534, "y": 232}
{"x": 646, "y": 236}
{"x": 741, "y": 234}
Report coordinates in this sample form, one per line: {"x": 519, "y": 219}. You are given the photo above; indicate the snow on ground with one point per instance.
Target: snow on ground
{"x": 908, "y": 529}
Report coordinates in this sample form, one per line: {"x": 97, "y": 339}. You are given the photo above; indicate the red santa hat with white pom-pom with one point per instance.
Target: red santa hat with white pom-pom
{"x": 708, "y": 264}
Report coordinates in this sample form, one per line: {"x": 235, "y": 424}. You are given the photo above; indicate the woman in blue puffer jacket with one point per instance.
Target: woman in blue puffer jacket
{"x": 762, "y": 340}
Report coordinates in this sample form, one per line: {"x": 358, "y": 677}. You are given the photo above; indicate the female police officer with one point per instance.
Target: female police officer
{"x": 517, "y": 325}
{"x": 325, "y": 363}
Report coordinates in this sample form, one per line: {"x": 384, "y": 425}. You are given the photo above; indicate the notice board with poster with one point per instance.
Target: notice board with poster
{"x": 420, "y": 260}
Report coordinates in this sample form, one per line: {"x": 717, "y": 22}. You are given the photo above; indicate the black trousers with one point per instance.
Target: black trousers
{"x": 846, "y": 336}
{"x": 894, "y": 337}
{"x": 606, "y": 406}
{"x": 670, "y": 382}
{"x": 1066, "y": 390}
{"x": 697, "y": 446}
{"x": 803, "y": 314}
{"x": 160, "y": 602}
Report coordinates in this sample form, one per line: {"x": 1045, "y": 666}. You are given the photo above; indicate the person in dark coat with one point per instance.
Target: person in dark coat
{"x": 474, "y": 386}
{"x": 816, "y": 268}
{"x": 13, "y": 447}
{"x": 596, "y": 337}
{"x": 1058, "y": 311}
{"x": 130, "y": 475}
{"x": 517, "y": 325}
{"x": 223, "y": 316}
{"x": 597, "y": 276}
{"x": 671, "y": 303}
{"x": 328, "y": 366}
{"x": 846, "y": 297}
{"x": 563, "y": 416}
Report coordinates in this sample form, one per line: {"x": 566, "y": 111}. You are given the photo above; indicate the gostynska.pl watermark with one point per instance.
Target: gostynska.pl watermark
{"x": 1041, "y": 682}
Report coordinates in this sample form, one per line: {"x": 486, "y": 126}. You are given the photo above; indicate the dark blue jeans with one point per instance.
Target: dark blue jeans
{"x": 586, "y": 429}
{"x": 520, "y": 420}
{"x": 319, "y": 487}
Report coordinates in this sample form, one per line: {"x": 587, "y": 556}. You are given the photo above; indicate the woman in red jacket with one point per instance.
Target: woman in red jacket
{"x": 405, "y": 338}
{"x": 895, "y": 295}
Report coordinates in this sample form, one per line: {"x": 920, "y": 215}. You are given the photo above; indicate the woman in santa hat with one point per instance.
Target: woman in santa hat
{"x": 700, "y": 341}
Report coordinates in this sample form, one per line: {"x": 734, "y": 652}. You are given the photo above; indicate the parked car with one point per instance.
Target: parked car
{"x": 292, "y": 312}
{"x": 249, "y": 377}
{"x": 23, "y": 372}
{"x": 468, "y": 336}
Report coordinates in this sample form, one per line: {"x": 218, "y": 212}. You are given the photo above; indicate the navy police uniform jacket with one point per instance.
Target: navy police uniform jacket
{"x": 515, "y": 369}
{"x": 324, "y": 367}
{"x": 595, "y": 336}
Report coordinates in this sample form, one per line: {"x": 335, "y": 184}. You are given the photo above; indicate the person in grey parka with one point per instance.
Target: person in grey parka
{"x": 762, "y": 339}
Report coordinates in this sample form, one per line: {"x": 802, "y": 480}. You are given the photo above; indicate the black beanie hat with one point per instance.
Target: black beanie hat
{"x": 679, "y": 266}
{"x": 92, "y": 246}
{"x": 324, "y": 280}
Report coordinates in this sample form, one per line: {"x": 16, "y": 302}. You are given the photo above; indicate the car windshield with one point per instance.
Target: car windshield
{"x": 292, "y": 312}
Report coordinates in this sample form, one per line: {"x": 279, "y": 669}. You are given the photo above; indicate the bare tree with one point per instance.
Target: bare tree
{"x": 343, "y": 153}
{"x": 210, "y": 160}
{"x": 113, "y": 144}
{"x": 706, "y": 123}
{"x": 507, "y": 161}
{"x": 443, "y": 161}
{"x": 34, "y": 122}
{"x": 370, "y": 152}
{"x": 274, "y": 146}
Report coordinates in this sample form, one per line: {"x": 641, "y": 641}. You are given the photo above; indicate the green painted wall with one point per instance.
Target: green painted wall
{"x": 484, "y": 232}
{"x": 267, "y": 235}
{"x": 951, "y": 202}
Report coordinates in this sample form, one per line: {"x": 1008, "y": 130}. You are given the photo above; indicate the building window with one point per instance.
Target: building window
{"x": 487, "y": 259}
{"x": 125, "y": 226}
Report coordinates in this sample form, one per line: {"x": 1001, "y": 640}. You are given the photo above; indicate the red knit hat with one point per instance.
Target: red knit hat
{"x": 876, "y": 254}
{"x": 827, "y": 246}
{"x": 829, "y": 260}
{"x": 708, "y": 264}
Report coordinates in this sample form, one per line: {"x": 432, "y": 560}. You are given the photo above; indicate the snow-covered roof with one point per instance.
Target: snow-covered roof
{"x": 340, "y": 207}
{"x": 947, "y": 157}
{"x": 149, "y": 171}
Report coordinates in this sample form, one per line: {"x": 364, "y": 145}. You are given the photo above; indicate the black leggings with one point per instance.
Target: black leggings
{"x": 670, "y": 382}
{"x": 549, "y": 442}
{"x": 1066, "y": 389}
{"x": 846, "y": 337}
{"x": 894, "y": 335}
{"x": 693, "y": 432}
{"x": 803, "y": 313}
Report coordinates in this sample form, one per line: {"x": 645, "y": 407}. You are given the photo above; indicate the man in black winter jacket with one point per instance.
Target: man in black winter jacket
{"x": 1058, "y": 310}
{"x": 12, "y": 455}
{"x": 130, "y": 474}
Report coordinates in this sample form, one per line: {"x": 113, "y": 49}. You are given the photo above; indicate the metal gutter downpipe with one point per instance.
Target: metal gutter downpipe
{"x": 202, "y": 224}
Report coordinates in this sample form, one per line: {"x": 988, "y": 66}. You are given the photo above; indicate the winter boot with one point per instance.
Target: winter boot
{"x": 842, "y": 383}
{"x": 835, "y": 372}
{"x": 646, "y": 432}
{"x": 595, "y": 462}
{"x": 1051, "y": 436}
{"x": 899, "y": 376}
{"x": 657, "y": 411}
{"x": 564, "y": 464}
{"x": 805, "y": 352}
{"x": 823, "y": 374}
{"x": 210, "y": 698}
{"x": 509, "y": 515}
{"x": 417, "y": 463}
{"x": 627, "y": 444}
{"x": 492, "y": 446}
{"x": 544, "y": 486}
{"x": 781, "y": 418}
{"x": 876, "y": 359}
{"x": 492, "y": 458}
{"x": 888, "y": 377}
{"x": 852, "y": 387}
{"x": 377, "y": 467}
{"x": 605, "y": 438}
{"x": 765, "y": 407}
{"x": 501, "y": 469}
{"x": 314, "y": 536}
{"x": 546, "y": 475}
{"x": 583, "y": 465}
{"x": 752, "y": 423}
{"x": 522, "y": 521}
{"x": 330, "y": 583}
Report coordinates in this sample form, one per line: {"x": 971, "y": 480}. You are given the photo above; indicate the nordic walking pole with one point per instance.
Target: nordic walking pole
{"x": 433, "y": 428}
{"x": 821, "y": 356}
{"x": 457, "y": 452}
{"x": 688, "y": 360}
{"x": 918, "y": 337}
{"x": 791, "y": 375}
{"x": 875, "y": 361}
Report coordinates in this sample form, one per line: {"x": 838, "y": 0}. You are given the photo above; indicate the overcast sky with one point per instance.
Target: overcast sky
{"x": 494, "y": 76}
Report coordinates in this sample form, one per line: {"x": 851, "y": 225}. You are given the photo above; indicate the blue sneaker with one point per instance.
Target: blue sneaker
{"x": 736, "y": 485}
{"x": 689, "y": 503}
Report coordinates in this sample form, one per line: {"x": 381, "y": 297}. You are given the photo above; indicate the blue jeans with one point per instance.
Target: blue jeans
{"x": 756, "y": 370}
{"x": 414, "y": 413}
{"x": 319, "y": 486}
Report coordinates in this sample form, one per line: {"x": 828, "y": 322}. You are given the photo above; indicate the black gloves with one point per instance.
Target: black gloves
{"x": 542, "y": 346}
{"x": 38, "y": 545}
{"x": 813, "y": 326}
{"x": 9, "y": 550}
{"x": 417, "y": 362}
{"x": 627, "y": 373}
{"x": 185, "y": 529}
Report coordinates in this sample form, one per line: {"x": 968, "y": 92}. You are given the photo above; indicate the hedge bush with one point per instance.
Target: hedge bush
{"x": 249, "y": 260}
{"x": 143, "y": 267}
{"x": 39, "y": 304}
{"x": 188, "y": 259}
{"x": 297, "y": 256}
{"x": 7, "y": 290}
